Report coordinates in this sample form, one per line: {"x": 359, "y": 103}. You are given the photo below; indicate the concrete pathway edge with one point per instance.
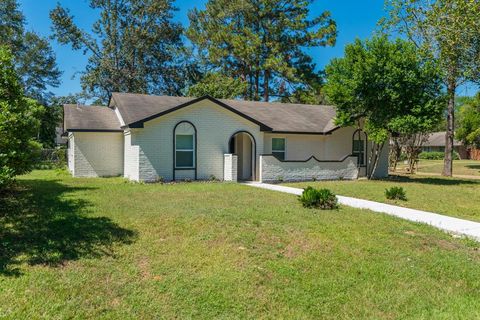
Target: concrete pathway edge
{"x": 453, "y": 225}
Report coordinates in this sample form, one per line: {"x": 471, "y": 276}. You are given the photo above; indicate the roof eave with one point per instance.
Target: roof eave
{"x": 140, "y": 123}
{"x": 93, "y": 130}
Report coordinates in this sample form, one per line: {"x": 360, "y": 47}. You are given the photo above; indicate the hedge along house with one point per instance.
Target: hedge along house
{"x": 151, "y": 138}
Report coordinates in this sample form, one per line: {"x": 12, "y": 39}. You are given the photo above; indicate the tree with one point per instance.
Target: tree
{"x": 468, "y": 130}
{"x": 218, "y": 86}
{"x": 52, "y": 118}
{"x": 388, "y": 85}
{"x": 311, "y": 92}
{"x": 135, "y": 47}
{"x": 34, "y": 59}
{"x": 19, "y": 122}
{"x": 260, "y": 42}
{"x": 448, "y": 31}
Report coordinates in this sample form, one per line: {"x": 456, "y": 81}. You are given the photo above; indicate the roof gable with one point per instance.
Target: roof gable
{"x": 275, "y": 117}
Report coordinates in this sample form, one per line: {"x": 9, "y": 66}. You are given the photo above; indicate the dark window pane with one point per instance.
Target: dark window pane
{"x": 184, "y": 159}
{"x": 184, "y": 141}
{"x": 358, "y": 145}
{"x": 279, "y": 155}
{"x": 361, "y": 158}
{"x": 278, "y": 144}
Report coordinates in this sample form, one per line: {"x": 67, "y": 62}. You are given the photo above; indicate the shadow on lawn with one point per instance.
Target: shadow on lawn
{"x": 440, "y": 181}
{"x": 473, "y": 166}
{"x": 40, "y": 225}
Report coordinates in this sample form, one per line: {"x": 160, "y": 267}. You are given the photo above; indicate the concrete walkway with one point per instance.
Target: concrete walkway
{"x": 452, "y": 225}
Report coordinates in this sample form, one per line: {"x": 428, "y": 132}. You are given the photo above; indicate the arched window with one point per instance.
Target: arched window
{"x": 185, "y": 144}
{"x": 359, "y": 146}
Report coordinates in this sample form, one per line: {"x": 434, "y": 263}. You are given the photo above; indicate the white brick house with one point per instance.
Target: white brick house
{"x": 151, "y": 138}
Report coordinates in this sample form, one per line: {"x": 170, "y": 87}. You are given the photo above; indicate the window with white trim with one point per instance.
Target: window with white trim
{"x": 185, "y": 146}
{"x": 278, "y": 148}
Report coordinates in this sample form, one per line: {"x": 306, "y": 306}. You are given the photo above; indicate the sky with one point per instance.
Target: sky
{"x": 354, "y": 18}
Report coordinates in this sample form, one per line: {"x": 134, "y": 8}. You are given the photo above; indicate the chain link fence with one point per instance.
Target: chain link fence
{"x": 52, "y": 158}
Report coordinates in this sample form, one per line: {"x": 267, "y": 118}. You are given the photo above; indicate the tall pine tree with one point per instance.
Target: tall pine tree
{"x": 261, "y": 42}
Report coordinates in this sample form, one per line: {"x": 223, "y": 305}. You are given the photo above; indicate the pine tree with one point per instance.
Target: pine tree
{"x": 260, "y": 42}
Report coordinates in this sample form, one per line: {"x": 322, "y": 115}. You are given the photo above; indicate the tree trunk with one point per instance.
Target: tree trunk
{"x": 374, "y": 158}
{"x": 266, "y": 88}
{"x": 257, "y": 84}
{"x": 447, "y": 166}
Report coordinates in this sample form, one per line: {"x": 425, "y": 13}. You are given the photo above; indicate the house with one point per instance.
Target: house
{"x": 436, "y": 143}
{"x": 151, "y": 138}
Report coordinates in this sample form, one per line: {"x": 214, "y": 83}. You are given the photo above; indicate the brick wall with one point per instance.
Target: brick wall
{"x": 215, "y": 125}
{"x": 97, "y": 154}
{"x": 272, "y": 169}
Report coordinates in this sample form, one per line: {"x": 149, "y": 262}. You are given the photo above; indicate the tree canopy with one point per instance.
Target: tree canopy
{"x": 389, "y": 85}
{"x": 447, "y": 31}
{"x": 34, "y": 59}
{"x": 468, "y": 130}
{"x": 134, "y": 47}
{"x": 218, "y": 86}
{"x": 261, "y": 42}
{"x": 19, "y": 123}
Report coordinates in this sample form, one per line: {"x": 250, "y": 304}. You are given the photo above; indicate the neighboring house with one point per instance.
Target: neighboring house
{"x": 436, "y": 143}
{"x": 151, "y": 138}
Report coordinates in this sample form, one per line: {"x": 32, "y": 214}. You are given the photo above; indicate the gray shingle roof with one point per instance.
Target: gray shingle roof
{"x": 277, "y": 117}
{"x": 437, "y": 139}
{"x": 89, "y": 118}
{"x": 288, "y": 117}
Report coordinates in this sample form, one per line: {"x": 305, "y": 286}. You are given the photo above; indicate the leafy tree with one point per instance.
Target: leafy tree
{"x": 134, "y": 47}
{"x": 19, "y": 122}
{"x": 448, "y": 31}
{"x": 218, "y": 86}
{"x": 260, "y": 42}
{"x": 311, "y": 92}
{"x": 52, "y": 118}
{"x": 468, "y": 130}
{"x": 389, "y": 85}
{"x": 34, "y": 59}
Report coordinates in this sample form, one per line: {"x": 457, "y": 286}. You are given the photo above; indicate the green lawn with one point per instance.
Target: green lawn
{"x": 449, "y": 196}
{"x": 105, "y": 248}
{"x": 460, "y": 167}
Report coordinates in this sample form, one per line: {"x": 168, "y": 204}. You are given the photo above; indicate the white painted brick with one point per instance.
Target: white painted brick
{"x": 273, "y": 169}
{"x": 97, "y": 154}
{"x": 230, "y": 167}
{"x": 215, "y": 125}
{"x": 131, "y": 163}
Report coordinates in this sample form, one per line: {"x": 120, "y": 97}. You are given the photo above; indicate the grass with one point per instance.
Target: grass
{"x": 460, "y": 167}
{"x": 104, "y": 248}
{"x": 449, "y": 196}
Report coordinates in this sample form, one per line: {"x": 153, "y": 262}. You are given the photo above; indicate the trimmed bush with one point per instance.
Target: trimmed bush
{"x": 396, "y": 193}
{"x": 435, "y": 155}
{"x": 318, "y": 198}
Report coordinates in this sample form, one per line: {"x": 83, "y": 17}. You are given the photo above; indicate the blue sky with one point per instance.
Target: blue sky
{"x": 355, "y": 19}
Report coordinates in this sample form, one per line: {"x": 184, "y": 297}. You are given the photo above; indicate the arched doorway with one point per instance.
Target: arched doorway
{"x": 243, "y": 144}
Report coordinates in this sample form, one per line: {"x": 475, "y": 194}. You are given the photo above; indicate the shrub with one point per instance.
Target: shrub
{"x": 51, "y": 159}
{"x": 435, "y": 155}
{"x": 395, "y": 193}
{"x": 19, "y": 123}
{"x": 318, "y": 198}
